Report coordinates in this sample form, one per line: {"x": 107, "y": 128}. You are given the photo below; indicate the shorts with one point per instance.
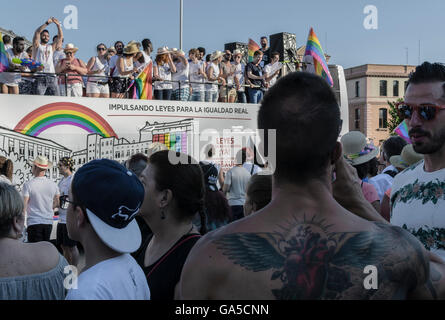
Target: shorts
{"x": 62, "y": 236}
{"x": 73, "y": 90}
{"x": 182, "y": 94}
{"x": 39, "y": 232}
{"x": 98, "y": 88}
{"x": 26, "y": 87}
{"x": 118, "y": 85}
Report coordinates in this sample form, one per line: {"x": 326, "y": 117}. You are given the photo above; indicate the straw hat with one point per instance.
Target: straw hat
{"x": 138, "y": 44}
{"x": 131, "y": 48}
{"x": 215, "y": 55}
{"x": 41, "y": 162}
{"x": 355, "y": 148}
{"x": 112, "y": 49}
{"x": 236, "y": 52}
{"x": 180, "y": 52}
{"x": 70, "y": 47}
{"x": 407, "y": 158}
{"x": 163, "y": 50}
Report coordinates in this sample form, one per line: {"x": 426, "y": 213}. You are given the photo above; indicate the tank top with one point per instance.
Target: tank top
{"x": 44, "y": 55}
{"x": 163, "y": 275}
{"x": 71, "y": 79}
{"x": 126, "y": 68}
{"x": 98, "y": 65}
{"x": 215, "y": 74}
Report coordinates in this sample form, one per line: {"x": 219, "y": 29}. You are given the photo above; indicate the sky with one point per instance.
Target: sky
{"x": 339, "y": 25}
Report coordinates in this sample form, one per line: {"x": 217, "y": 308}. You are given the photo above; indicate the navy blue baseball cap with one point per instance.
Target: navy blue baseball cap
{"x": 112, "y": 195}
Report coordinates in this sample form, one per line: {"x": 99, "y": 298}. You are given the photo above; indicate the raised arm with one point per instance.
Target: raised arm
{"x": 59, "y": 42}
{"x": 36, "y": 38}
{"x": 171, "y": 64}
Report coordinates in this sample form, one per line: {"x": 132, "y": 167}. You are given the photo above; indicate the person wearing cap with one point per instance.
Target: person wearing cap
{"x": 68, "y": 246}
{"x": 407, "y": 158}
{"x": 214, "y": 75}
{"x": 239, "y": 76}
{"x": 44, "y": 53}
{"x": 162, "y": 74}
{"x": 73, "y": 68}
{"x": 103, "y": 201}
{"x": 40, "y": 196}
{"x": 216, "y": 207}
{"x": 180, "y": 85}
{"x": 98, "y": 68}
{"x": 174, "y": 195}
{"x": 359, "y": 154}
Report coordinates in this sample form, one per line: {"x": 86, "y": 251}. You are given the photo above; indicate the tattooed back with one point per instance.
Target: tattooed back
{"x": 304, "y": 258}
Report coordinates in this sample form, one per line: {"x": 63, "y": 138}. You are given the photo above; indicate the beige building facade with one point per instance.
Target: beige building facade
{"x": 369, "y": 88}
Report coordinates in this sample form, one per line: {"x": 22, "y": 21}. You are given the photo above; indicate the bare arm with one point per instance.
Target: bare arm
{"x": 36, "y": 38}
{"x": 60, "y": 68}
{"x": 25, "y": 203}
{"x": 59, "y": 42}
{"x": 56, "y": 201}
{"x": 171, "y": 64}
{"x": 82, "y": 69}
{"x": 226, "y": 188}
{"x": 90, "y": 65}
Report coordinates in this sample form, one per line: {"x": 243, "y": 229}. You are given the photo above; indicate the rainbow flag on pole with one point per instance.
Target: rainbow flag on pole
{"x": 315, "y": 53}
{"x": 402, "y": 131}
{"x": 4, "y": 61}
{"x": 252, "y": 46}
{"x": 143, "y": 84}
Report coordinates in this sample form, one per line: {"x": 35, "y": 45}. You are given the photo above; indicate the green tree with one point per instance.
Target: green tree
{"x": 394, "y": 119}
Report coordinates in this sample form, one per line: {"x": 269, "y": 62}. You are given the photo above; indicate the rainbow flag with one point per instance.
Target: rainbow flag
{"x": 252, "y": 46}
{"x": 4, "y": 61}
{"x": 143, "y": 84}
{"x": 314, "y": 50}
{"x": 402, "y": 131}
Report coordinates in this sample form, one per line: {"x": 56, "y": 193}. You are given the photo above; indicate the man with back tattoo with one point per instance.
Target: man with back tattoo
{"x": 304, "y": 244}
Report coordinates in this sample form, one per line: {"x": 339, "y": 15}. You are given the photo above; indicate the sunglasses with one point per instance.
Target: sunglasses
{"x": 64, "y": 202}
{"x": 101, "y": 49}
{"x": 426, "y": 111}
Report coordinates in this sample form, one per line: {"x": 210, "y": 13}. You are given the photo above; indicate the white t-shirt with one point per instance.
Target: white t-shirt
{"x": 268, "y": 69}
{"x": 12, "y": 78}
{"x": 215, "y": 74}
{"x": 382, "y": 181}
{"x": 41, "y": 192}
{"x": 181, "y": 74}
{"x": 195, "y": 77}
{"x": 64, "y": 187}
{"x": 418, "y": 202}
{"x": 44, "y": 55}
{"x": 164, "y": 73}
{"x": 239, "y": 74}
{"x": 237, "y": 178}
{"x": 57, "y": 56}
{"x": 119, "y": 278}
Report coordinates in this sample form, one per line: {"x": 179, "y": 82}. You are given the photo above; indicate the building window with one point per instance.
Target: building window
{"x": 383, "y": 87}
{"x": 357, "y": 118}
{"x": 395, "y": 88}
{"x": 357, "y": 89}
{"x": 383, "y": 118}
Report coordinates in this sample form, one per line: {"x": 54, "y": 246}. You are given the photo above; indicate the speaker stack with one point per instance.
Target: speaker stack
{"x": 232, "y": 46}
{"x": 286, "y": 45}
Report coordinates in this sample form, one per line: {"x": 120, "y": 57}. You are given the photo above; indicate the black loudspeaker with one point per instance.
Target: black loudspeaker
{"x": 232, "y": 46}
{"x": 286, "y": 45}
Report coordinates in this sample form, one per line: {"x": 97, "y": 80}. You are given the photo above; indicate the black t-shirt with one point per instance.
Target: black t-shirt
{"x": 266, "y": 59}
{"x": 256, "y": 71}
{"x": 163, "y": 275}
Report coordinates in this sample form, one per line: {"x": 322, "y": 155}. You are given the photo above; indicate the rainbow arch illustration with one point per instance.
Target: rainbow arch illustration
{"x": 64, "y": 113}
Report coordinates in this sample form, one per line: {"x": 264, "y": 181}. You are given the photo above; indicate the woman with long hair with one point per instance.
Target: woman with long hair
{"x": 174, "y": 193}
{"x": 162, "y": 75}
{"x": 98, "y": 69}
{"x": 6, "y": 170}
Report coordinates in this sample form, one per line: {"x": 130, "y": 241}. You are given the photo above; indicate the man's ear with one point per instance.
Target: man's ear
{"x": 81, "y": 218}
{"x": 166, "y": 197}
{"x": 336, "y": 153}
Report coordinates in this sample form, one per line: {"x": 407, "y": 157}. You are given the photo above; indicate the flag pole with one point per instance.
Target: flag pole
{"x": 180, "y": 23}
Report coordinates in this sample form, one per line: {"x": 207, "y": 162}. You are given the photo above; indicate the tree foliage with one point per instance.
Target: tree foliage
{"x": 394, "y": 119}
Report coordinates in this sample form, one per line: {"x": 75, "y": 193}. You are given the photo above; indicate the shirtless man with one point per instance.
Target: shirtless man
{"x": 304, "y": 244}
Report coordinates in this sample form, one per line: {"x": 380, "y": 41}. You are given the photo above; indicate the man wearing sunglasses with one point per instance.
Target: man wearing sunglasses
{"x": 418, "y": 193}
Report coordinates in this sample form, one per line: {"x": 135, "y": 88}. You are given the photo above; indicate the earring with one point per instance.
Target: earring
{"x": 162, "y": 214}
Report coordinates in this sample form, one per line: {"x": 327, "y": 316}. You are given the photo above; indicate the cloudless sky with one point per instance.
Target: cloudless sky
{"x": 211, "y": 24}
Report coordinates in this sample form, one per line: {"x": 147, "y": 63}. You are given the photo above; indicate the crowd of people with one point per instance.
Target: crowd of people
{"x": 216, "y": 77}
{"x": 305, "y": 227}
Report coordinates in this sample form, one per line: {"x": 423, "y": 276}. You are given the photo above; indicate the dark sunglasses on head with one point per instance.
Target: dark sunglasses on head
{"x": 426, "y": 111}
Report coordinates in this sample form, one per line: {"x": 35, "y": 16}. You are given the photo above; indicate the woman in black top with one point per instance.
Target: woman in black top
{"x": 173, "y": 195}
